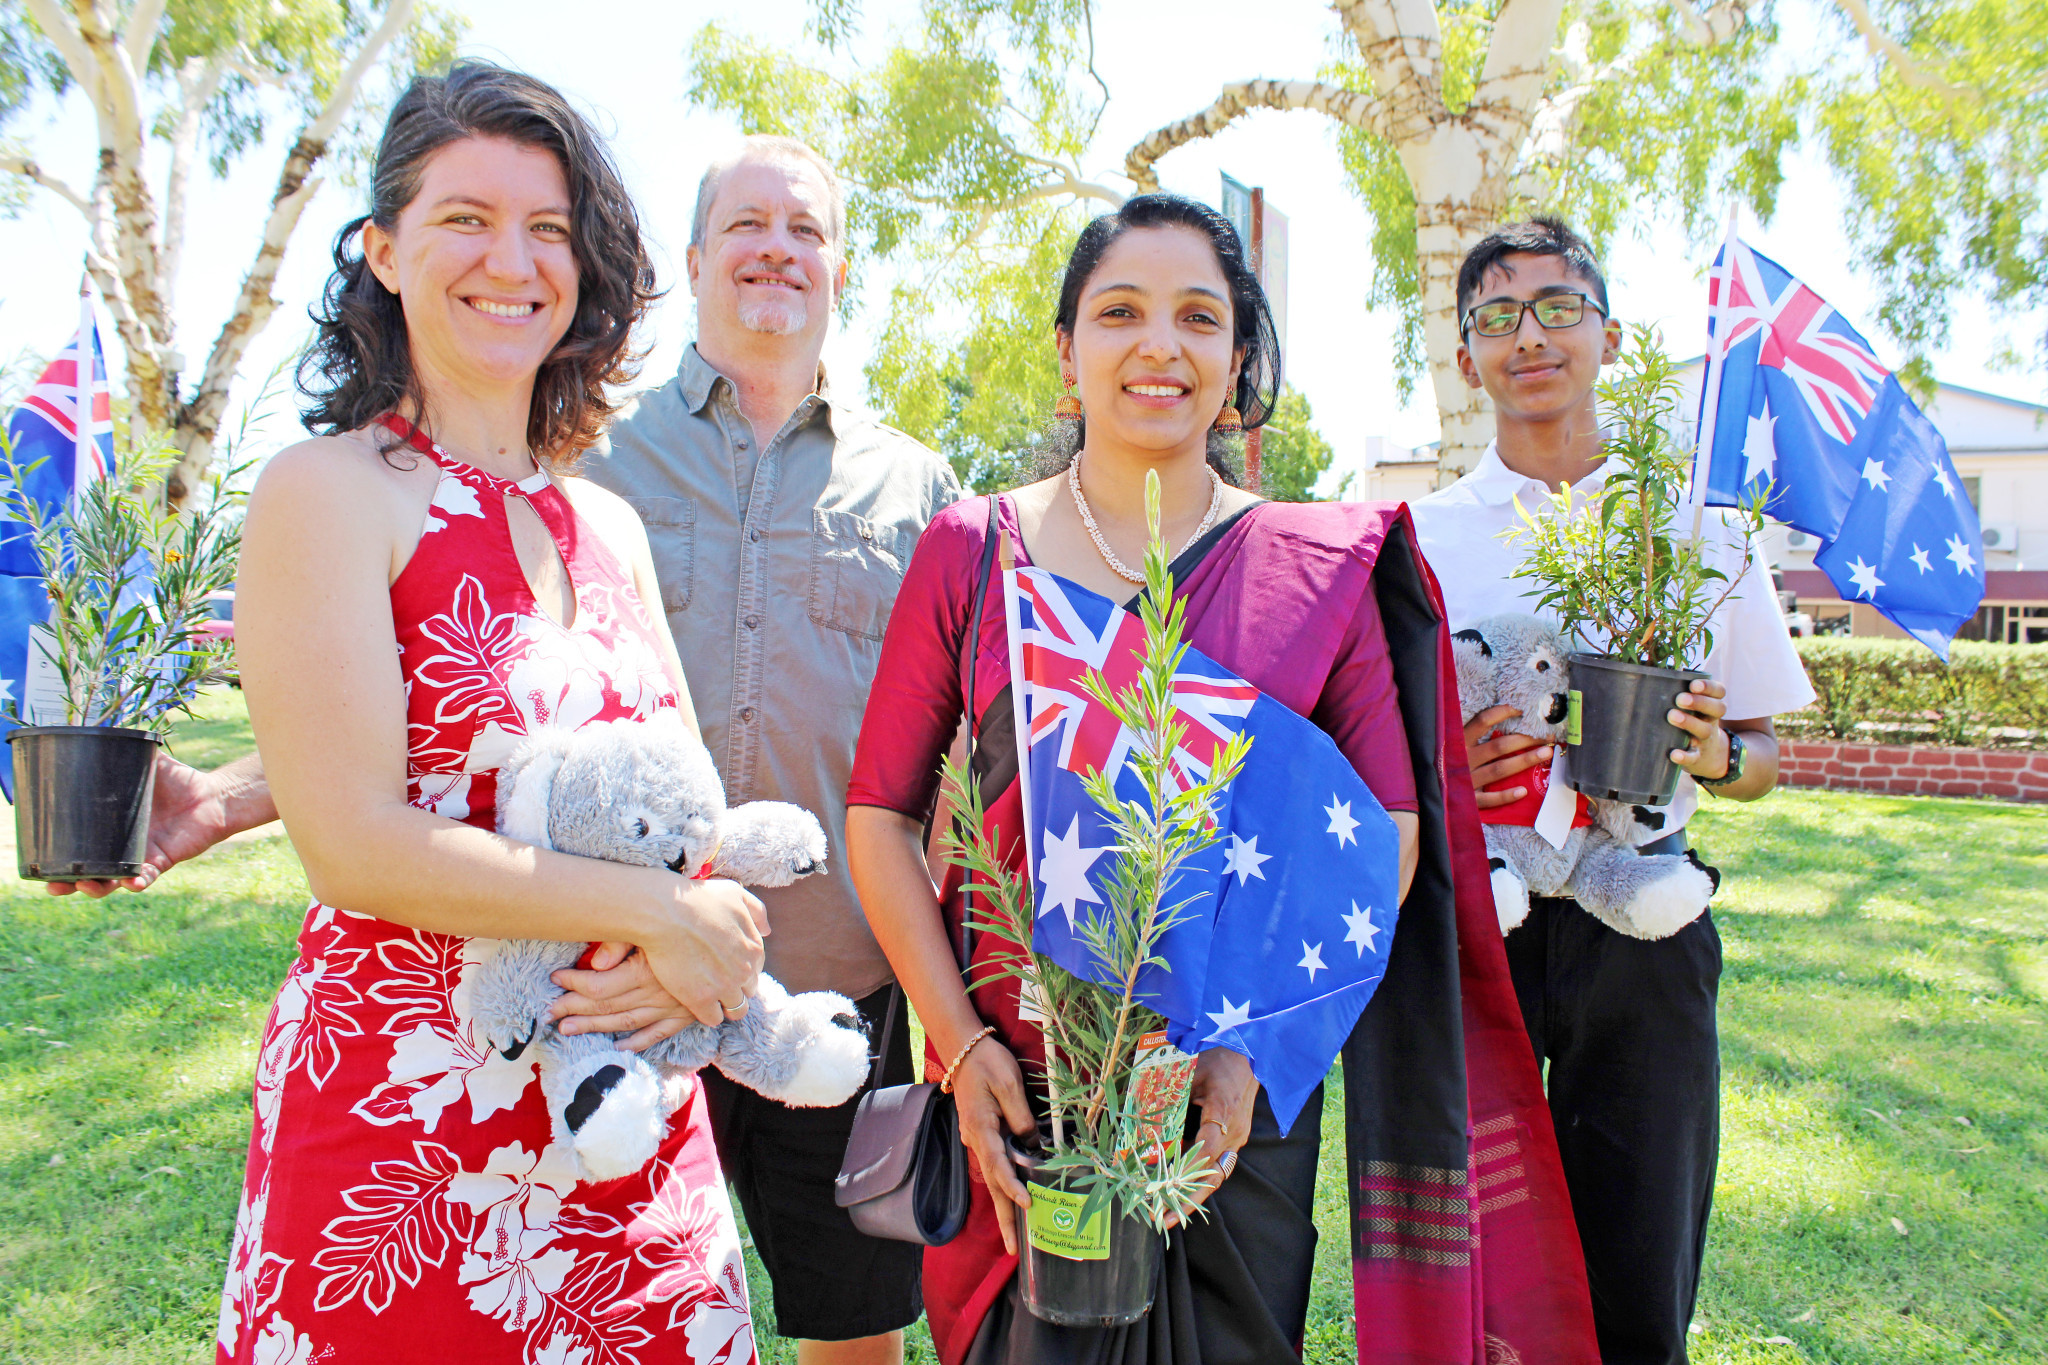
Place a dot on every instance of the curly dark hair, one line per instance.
(359, 365)
(1258, 377)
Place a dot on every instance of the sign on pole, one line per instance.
(1263, 230)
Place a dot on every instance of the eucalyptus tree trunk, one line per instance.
(1470, 167)
(134, 248)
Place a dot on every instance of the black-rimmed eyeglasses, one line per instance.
(1554, 313)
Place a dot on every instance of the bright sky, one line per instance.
(630, 72)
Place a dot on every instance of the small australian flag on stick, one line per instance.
(62, 438)
(1289, 914)
(1794, 400)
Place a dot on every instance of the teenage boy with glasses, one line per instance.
(1625, 1026)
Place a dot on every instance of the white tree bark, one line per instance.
(198, 82)
(199, 420)
(1882, 44)
(135, 250)
(1467, 168)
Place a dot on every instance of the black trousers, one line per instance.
(832, 1282)
(1626, 1027)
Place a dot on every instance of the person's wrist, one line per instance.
(1731, 769)
(239, 799)
(951, 1033)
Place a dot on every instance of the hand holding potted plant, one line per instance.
(1623, 579)
(1109, 1175)
(126, 646)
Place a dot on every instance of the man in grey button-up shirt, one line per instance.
(778, 563)
(781, 520)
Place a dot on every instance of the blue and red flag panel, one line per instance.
(1288, 915)
(1800, 404)
(66, 421)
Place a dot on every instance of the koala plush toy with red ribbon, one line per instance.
(1519, 661)
(647, 793)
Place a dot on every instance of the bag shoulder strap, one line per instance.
(970, 648)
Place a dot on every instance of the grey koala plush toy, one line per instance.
(646, 793)
(1520, 661)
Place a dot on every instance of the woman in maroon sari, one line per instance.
(1163, 326)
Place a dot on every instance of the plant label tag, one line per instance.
(1160, 1077)
(1029, 1010)
(42, 691)
(1574, 708)
(1054, 1225)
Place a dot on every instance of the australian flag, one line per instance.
(66, 422)
(1290, 912)
(1794, 397)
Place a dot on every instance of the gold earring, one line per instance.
(1228, 420)
(1068, 408)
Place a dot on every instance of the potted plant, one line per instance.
(1624, 579)
(124, 647)
(1108, 1172)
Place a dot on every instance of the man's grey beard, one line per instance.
(774, 318)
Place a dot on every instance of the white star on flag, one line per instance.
(1941, 477)
(1232, 1016)
(1864, 576)
(1959, 553)
(1874, 475)
(1341, 823)
(1063, 868)
(1311, 958)
(1919, 558)
(1243, 858)
(1760, 446)
(1363, 931)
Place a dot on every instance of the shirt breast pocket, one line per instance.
(856, 567)
(672, 538)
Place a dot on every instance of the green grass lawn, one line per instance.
(1884, 1175)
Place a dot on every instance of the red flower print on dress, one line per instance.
(399, 1228)
(404, 1191)
(686, 1236)
(476, 645)
(437, 1057)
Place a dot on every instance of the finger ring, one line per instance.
(1227, 1164)
(733, 1011)
(1218, 1122)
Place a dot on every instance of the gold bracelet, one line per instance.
(946, 1085)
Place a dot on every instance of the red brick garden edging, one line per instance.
(1914, 770)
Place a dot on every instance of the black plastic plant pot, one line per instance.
(1098, 1272)
(1617, 734)
(81, 800)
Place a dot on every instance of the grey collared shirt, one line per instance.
(778, 567)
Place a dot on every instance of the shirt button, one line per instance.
(754, 534)
(747, 714)
(753, 622)
(866, 533)
(741, 444)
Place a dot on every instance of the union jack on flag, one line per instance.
(1060, 648)
(1795, 401)
(1304, 869)
(64, 428)
(1830, 365)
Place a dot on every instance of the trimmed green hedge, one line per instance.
(1895, 692)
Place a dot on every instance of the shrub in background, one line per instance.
(1894, 691)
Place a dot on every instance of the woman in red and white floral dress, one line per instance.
(420, 588)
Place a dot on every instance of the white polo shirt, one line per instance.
(1460, 530)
